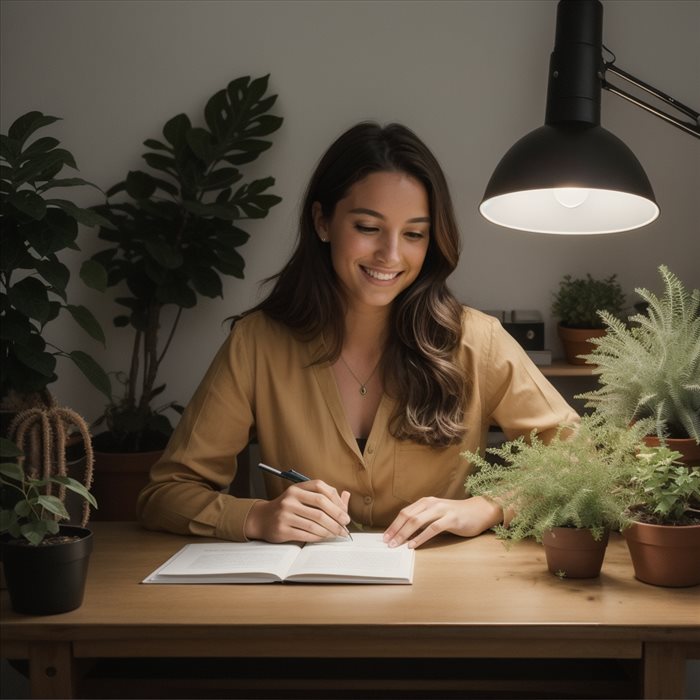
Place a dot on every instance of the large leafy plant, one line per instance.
(651, 368)
(580, 479)
(37, 226)
(174, 236)
(578, 300)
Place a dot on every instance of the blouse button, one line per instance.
(370, 450)
(368, 499)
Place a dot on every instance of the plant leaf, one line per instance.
(86, 217)
(94, 275)
(84, 318)
(92, 371)
(163, 254)
(175, 130)
(55, 273)
(53, 505)
(28, 203)
(23, 127)
(140, 185)
(9, 449)
(29, 297)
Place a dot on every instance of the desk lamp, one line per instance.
(571, 176)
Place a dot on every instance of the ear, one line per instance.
(319, 221)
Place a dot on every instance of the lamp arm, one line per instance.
(692, 128)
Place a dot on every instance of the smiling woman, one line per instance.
(360, 369)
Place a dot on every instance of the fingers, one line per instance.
(306, 512)
(319, 495)
(417, 523)
(427, 517)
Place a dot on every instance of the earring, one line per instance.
(324, 240)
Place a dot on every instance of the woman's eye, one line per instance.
(415, 235)
(365, 229)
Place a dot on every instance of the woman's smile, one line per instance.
(380, 275)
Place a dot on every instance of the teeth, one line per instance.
(383, 276)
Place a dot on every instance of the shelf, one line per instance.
(560, 368)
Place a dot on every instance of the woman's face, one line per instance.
(378, 237)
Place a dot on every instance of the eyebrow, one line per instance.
(371, 212)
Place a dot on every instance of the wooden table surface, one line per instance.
(470, 598)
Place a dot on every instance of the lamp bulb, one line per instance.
(571, 197)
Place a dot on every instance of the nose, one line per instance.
(388, 249)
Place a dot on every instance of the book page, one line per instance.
(366, 559)
(227, 562)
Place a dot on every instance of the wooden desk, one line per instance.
(470, 598)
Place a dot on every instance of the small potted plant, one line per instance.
(576, 305)
(45, 562)
(567, 494)
(664, 537)
(173, 233)
(651, 367)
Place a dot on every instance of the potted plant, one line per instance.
(651, 368)
(36, 227)
(45, 562)
(567, 494)
(576, 305)
(664, 537)
(173, 233)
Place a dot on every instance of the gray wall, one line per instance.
(468, 77)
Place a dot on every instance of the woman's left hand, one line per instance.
(430, 516)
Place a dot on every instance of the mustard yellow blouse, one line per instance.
(262, 383)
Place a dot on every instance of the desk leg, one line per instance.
(664, 670)
(51, 670)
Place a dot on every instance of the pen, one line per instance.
(290, 475)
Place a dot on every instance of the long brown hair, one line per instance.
(419, 363)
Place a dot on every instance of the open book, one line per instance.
(365, 559)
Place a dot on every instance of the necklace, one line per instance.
(363, 385)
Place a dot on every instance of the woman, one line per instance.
(359, 369)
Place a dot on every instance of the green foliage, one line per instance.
(577, 480)
(578, 301)
(35, 514)
(177, 232)
(667, 492)
(36, 227)
(652, 368)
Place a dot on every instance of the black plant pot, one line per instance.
(48, 579)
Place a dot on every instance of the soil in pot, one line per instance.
(49, 578)
(573, 553)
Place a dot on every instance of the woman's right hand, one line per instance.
(306, 512)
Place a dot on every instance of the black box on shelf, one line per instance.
(527, 328)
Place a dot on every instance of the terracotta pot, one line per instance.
(686, 446)
(573, 552)
(575, 342)
(665, 555)
(118, 480)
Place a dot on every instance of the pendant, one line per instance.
(363, 389)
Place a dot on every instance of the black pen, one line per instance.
(290, 475)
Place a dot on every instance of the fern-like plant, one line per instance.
(581, 479)
(651, 368)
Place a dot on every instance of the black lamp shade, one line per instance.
(569, 178)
